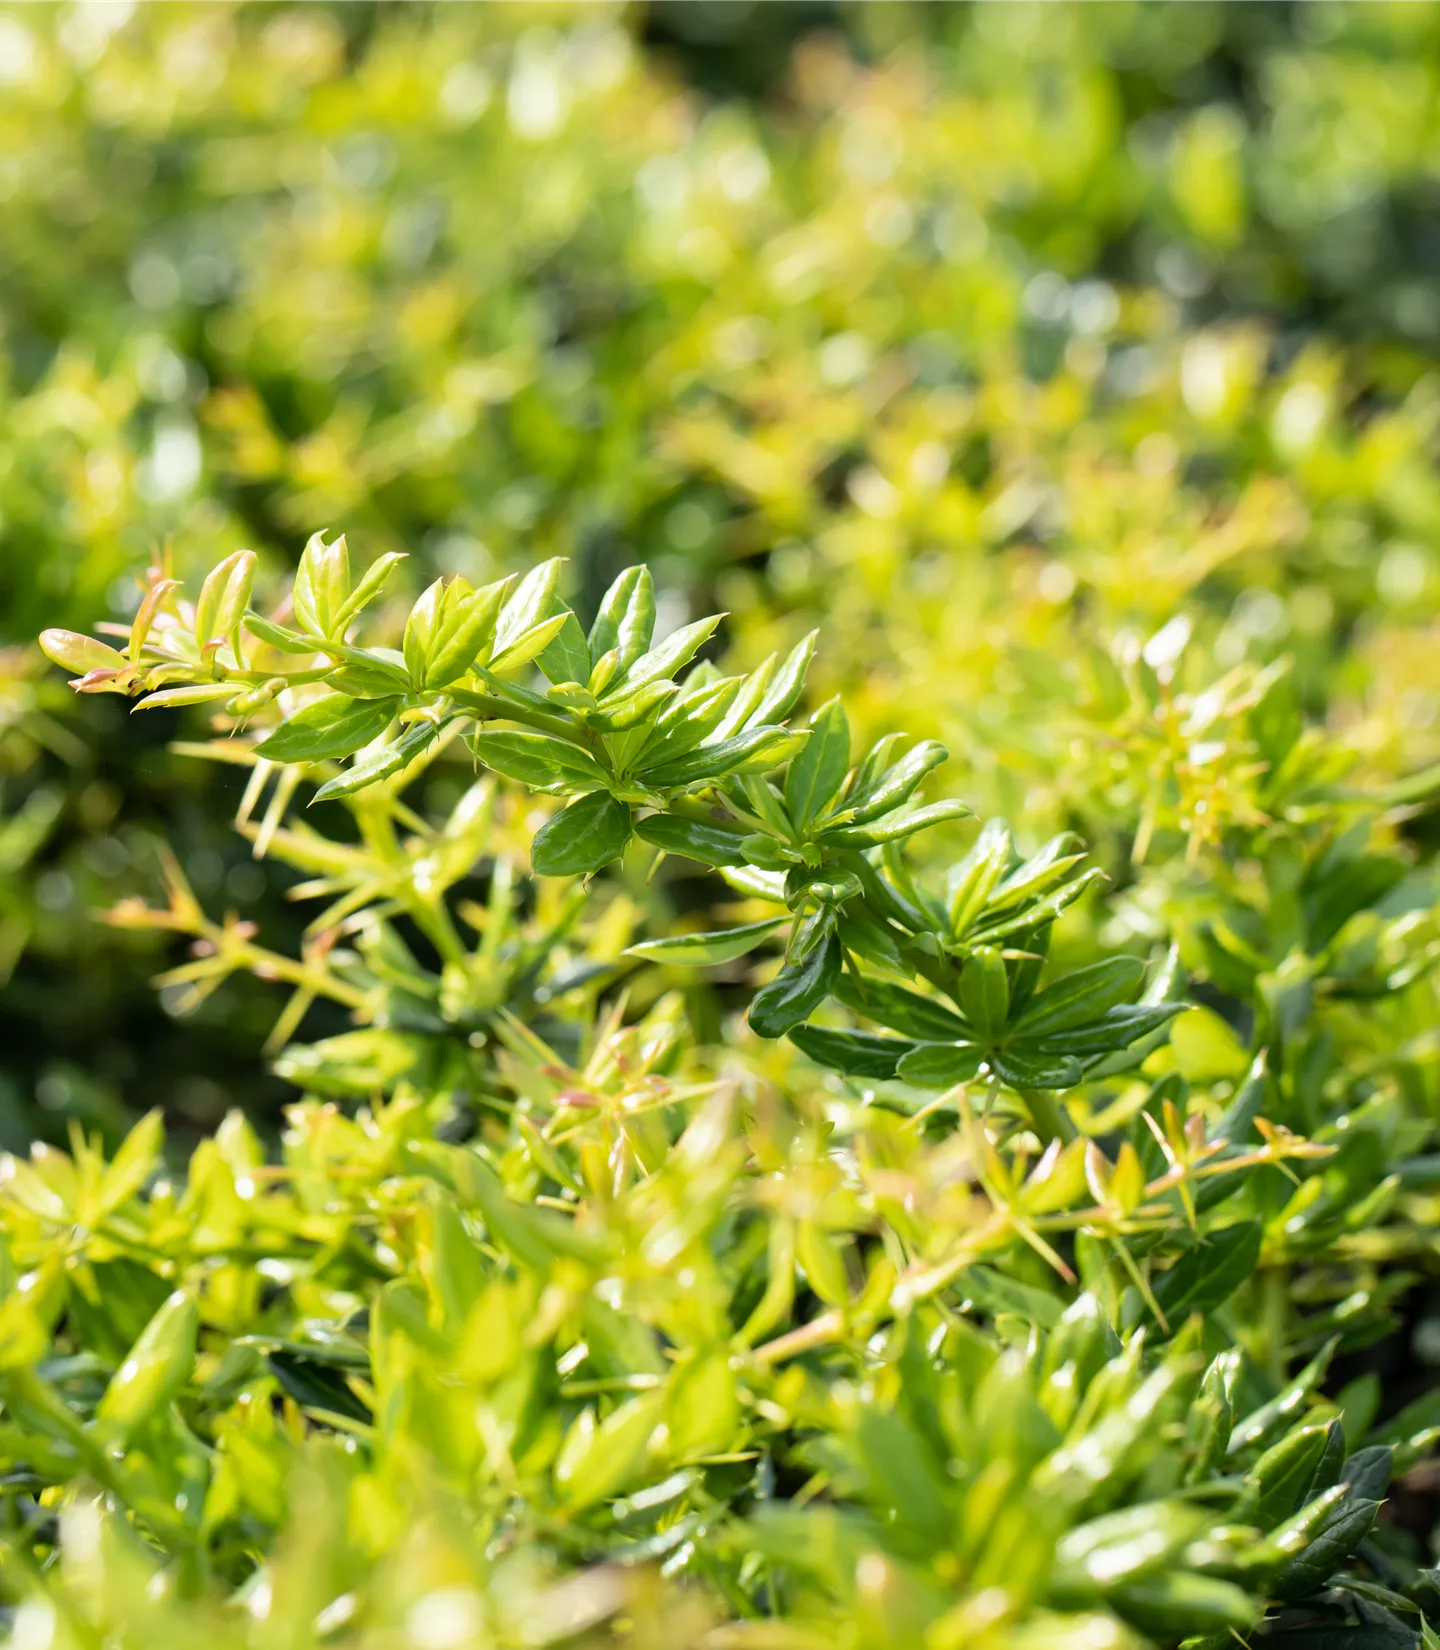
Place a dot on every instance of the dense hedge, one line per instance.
(873, 1282)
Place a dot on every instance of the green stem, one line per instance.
(1051, 1120)
(487, 707)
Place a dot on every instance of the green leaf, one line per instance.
(1042, 871)
(464, 635)
(1081, 997)
(701, 950)
(876, 942)
(72, 651)
(1290, 1401)
(707, 843)
(629, 710)
(689, 719)
(375, 674)
(896, 785)
(133, 1164)
(1368, 1471)
(1117, 1029)
(755, 884)
(1326, 1533)
(1173, 1603)
(567, 658)
(1120, 1546)
(896, 828)
(198, 693)
(224, 595)
(1207, 1275)
(354, 1064)
(672, 654)
(529, 644)
(626, 620)
(941, 1065)
(702, 1411)
(925, 1018)
(1279, 1479)
(995, 1293)
(815, 776)
(157, 1367)
(334, 726)
(319, 1389)
(588, 834)
(855, 1053)
(780, 697)
(322, 585)
(903, 1477)
(985, 992)
(278, 637)
(597, 1461)
(539, 760)
(797, 990)
(381, 764)
(533, 600)
(423, 628)
(755, 750)
(1030, 917)
(369, 587)
(1024, 1068)
(971, 882)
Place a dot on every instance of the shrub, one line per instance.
(1072, 370)
(973, 1313)
(988, 339)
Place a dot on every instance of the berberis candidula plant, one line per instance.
(956, 1328)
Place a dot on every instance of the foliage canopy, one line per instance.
(735, 1197)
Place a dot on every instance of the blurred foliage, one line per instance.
(1073, 369)
(986, 332)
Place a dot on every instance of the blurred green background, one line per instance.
(988, 334)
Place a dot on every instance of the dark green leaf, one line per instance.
(1210, 1273)
(1368, 1470)
(925, 1018)
(334, 726)
(588, 834)
(755, 749)
(1344, 1526)
(707, 843)
(985, 992)
(941, 1065)
(797, 990)
(855, 1053)
(316, 1387)
(1024, 1068)
(1280, 1478)
(539, 760)
(1116, 1030)
(816, 774)
(1082, 997)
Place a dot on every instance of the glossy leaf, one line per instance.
(329, 728)
(582, 838)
